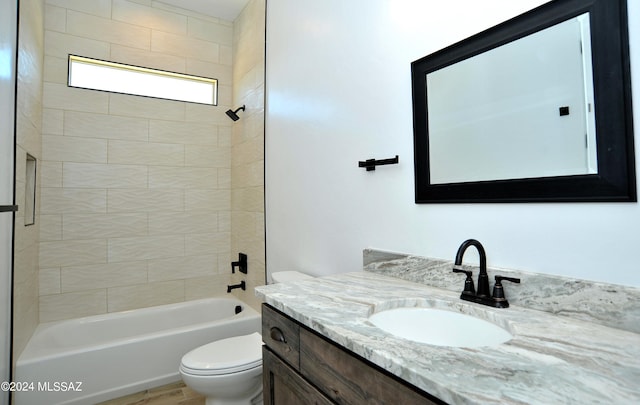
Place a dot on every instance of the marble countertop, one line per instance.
(550, 360)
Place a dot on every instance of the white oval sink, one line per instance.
(439, 327)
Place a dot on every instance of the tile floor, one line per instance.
(171, 394)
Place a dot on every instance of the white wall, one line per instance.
(339, 91)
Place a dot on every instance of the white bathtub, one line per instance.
(121, 353)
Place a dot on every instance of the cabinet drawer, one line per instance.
(282, 335)
(347, 379)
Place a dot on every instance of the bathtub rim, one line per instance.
(27, 357)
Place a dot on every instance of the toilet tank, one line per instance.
(288, 276)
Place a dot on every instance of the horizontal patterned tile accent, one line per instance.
(164, 42)
(249, 151)
(209, 114)
(248, 199)
(224, 136)
(50, 228)
(101, 8)
(211, 31)
(107, 30)
(70, 149)
(207, 156)
(224, 221)
(26, 260)
(183, 132)
(223, 73)
(55, 18)
(146, 107)
(51, 173)
(145, 295)
(150, 17)
(94, 226)
(224, 178)
(141, 57)
(145, 153)
(73, 253)
(246, 224)
(55, 70)
(25, 237)
(178, 268)
(145, 247)
(49, 281)
(61, 45)
(183, 177)
(52, 121)
(88, 175)
(205, 287)
(180, 10)
(27, 136)
(207, 243)
(145, 200)
(70, 200)
(250, 175)
(89, 125)
(58, 95)
(202, 200)
(181, 223)
(72, 305)
(90, 277)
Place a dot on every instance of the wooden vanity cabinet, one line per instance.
(302, 367)
(284, 386)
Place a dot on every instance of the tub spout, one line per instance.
(233, 287)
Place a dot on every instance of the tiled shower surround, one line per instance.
(28, 141)
(247, 148)
(136, 198)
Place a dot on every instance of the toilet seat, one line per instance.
(226, 356)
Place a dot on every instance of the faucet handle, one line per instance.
(498, 290)
(469, 288)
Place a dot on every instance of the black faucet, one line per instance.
(482, 295)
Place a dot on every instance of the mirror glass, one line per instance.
(521, 110)
(535, 109)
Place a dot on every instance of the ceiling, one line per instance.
(225, 9)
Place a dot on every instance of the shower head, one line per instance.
(234, 114)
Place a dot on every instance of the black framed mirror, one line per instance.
(535, 109)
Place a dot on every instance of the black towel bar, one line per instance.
(371, 164)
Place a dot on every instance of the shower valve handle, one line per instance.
(241, 264)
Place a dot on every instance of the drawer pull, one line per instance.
(277, 335)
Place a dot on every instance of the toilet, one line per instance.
(288, 276)
(229, 371)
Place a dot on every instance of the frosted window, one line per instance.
(120, 78)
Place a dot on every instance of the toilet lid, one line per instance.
(226, 356)
(288, 276)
